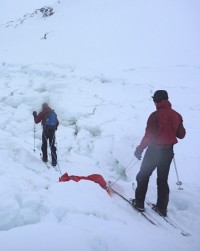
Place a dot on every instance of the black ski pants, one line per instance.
(160, 158)
(49, 135)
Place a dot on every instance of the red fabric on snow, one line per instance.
(97, 178)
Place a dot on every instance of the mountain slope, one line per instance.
(103, 34)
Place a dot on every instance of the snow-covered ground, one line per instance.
(106, 66)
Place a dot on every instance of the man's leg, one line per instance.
(53, 148)
(166, 156)
(148, 166)
(44, 147)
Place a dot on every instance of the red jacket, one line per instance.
(164, 126)
(41, 117)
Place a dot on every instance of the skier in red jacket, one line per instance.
(164, 126)
(48, 131)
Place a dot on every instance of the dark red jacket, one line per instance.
(41, 117)
(164, 126)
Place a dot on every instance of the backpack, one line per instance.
(51, 121)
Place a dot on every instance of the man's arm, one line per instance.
(150, 131)
(181, 131)
(38, 117)
(151, 128)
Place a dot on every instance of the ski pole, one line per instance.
(179, 183)
(57, 157)
(34, 137)
(128, 168)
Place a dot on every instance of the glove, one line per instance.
(138, 153)
(34, 114)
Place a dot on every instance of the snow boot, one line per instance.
(160, 211)
(44, 159)
(137, 205)
(54, 163)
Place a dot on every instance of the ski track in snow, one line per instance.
(102, 119)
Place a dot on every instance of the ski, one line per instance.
(166, 219)
(56, 168)
(142, 213)
(47, 165)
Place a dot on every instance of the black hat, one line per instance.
(160, 95)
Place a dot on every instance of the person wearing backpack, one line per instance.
(50, 123)
(164, 126)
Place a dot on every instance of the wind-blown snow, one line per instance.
(100, 85)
